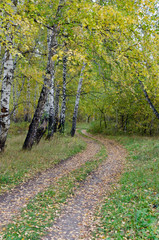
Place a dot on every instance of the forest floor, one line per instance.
(75, 220)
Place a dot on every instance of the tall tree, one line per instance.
(74, 120)
(6, 87)
(51, 93)
(32, 132)
(56, 118)
(5, 98)
(63, 106)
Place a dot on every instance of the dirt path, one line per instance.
(76, 220)
(12, 202)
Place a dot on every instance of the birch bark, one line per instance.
(56, 119)
(52, 109)
(1, 68)
(73, 130)
(51, 93)
(63, 106)
(6, 90)
(32, 132)
(14, 89)
(5, 98)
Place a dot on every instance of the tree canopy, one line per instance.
(117, 40)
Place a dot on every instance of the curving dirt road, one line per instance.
(76, 221)
(12, 202)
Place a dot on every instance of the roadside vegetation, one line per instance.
(132, 210)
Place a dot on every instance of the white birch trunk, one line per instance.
(14, 89)
(73, 130)
(56, 118)
(5, 98)
(63, 106)
(6, 91)
(53, 43)
(1, 69)
(52, 108)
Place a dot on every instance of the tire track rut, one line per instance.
(76, 220)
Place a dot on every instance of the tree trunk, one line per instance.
(1, 69)
(148, 99)
(31, 136)
(14, 90)
(56, 119)
(6, 91)
(32, 132)
(41, 130)
(116, 121)
(5, 98)
(88, 118)
(105, 123)
(126, 121)
(73, 130)
(63, 107)
(51, 110)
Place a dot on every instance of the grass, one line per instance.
(17, 165)
(82, 125)
(132, 211)
(42, 210)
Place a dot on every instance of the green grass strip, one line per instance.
(132, 211)
(42, 210)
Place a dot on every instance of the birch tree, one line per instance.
(74, 120)
(51, 93)
(6, 88)
(56, 118)
(32, 132)
(63, 106)
(5, 98)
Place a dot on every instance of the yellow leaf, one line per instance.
(54, 58)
